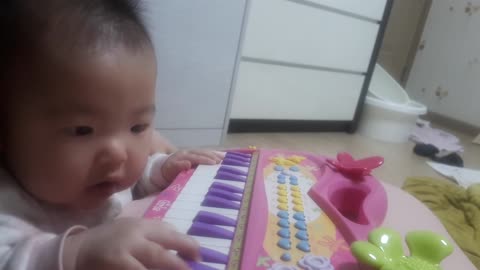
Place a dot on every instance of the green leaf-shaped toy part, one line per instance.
(368, 254)
(389, 241)
(428, 246)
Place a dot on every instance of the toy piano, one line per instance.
(272, 209)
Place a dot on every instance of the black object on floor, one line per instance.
(431, 151)
(453, 160)
(425, 150)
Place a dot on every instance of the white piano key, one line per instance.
(215, 265)
(202, 189)
(182, 223)
(245, 169)
(213, 242)
(207, 170)
(223, 250)
(185, 215)
(185, 205)
(189, 214)
(191, 197)
(210, 242)
(181, 227)
(196, 189)
(232, 183)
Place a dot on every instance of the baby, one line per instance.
(76, 139)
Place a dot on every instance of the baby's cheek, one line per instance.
(138, 163)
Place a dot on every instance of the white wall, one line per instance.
(450, 61)
(196, 45)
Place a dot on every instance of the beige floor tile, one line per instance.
(400, 161)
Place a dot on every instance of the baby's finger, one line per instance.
(207, 153)
(132, 264)
(219, 154)
(173, 240)
(154, 256)
(202, 159)
(183, 165)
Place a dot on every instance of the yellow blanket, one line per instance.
(458, 209)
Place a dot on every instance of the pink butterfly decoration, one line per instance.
(346, 164)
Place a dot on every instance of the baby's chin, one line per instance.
(99, 196)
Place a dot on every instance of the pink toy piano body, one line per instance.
(304, 211)
(337, 211)
(355, 206)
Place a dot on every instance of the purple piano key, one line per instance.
(230, 176)
(234, 162)
(198, 266)
(209, 230)
(232, 170)
(239, 158)
(215, 219)
(214, 201)
(226, 187)
(225, 194)
(245, 155)
(213, 256)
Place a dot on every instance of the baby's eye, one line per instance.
(82, 131)
(139, 128)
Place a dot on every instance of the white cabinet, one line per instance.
(308, 61)
(196, 45)
(286, 31)
(277, 89)
(372, 9)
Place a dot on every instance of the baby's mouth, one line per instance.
(106, 187)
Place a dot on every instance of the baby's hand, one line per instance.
(129, 244)
(185, 159)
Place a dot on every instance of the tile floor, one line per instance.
(400, 161)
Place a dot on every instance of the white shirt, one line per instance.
(32, 233)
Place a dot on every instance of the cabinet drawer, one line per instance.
(193, 137)
(373, 9)
(286, 31)
(278, 92)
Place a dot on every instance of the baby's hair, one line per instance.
(31, 28)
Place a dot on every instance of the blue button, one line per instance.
(284, 243)
(294, 169)
(304, 246)
(284, 223)
(282, 214)
(293, 177)
(281, 176)
(286, 257)
(281, 181)
(298, 216)
(302, 235)
(278, 168)
(301, 225)
(293, 182)
(284, 233)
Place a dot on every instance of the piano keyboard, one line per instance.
(205, 203)
(295, 196)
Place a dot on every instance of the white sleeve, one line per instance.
(25, 247)
(152, 180)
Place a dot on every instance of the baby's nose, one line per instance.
(114, 153)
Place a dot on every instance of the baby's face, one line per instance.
(84, 131)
